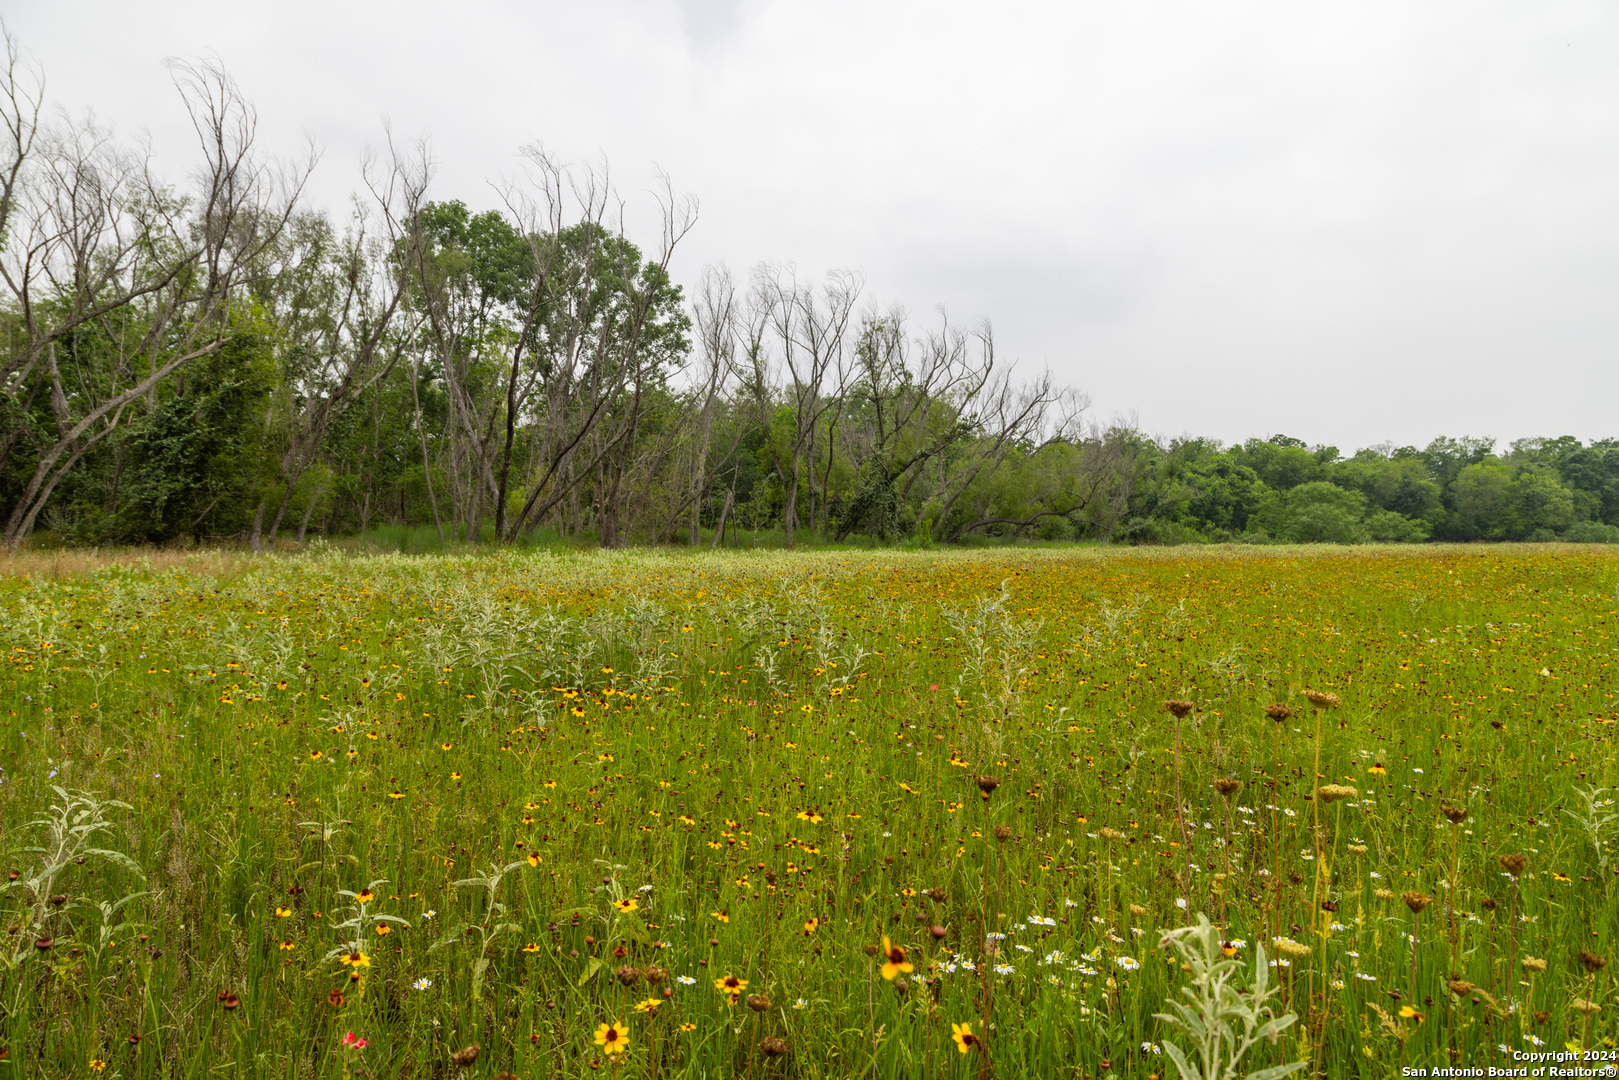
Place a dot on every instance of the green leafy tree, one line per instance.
(1317, 512)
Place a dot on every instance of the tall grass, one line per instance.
(504, 799)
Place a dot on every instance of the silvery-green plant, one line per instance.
(69, 834)
(361, 918)
(486, 931)
(1221, 1024)
(1595, 821)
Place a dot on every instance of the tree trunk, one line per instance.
(255, 539)
(719, 529)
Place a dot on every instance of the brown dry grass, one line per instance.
(71, 562)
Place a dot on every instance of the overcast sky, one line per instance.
(1348, 222)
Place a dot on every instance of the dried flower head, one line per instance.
(1227, 786)
(466, 1055)
(1488, 903)
(1532, 964)
(1591, 961)
(1331, 793)
(1416, 901)
(759, 1003)
(1179, 708)
(628, 976)
(1109, 833)
(654, 975)
(1358, 849)
(1137, 910)
(1003, 833)
(1514, 864)
(774, 1047)
(1454, 814)
(1321, 699)
(1384, 894)
(1459, 986)
(1586, 1007)
(1278, 712)
(988, 784)
(1289, 947)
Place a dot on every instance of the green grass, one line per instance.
(503, 745)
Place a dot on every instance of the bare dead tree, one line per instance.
(809, 330)
(600, 352)
(1002, 416)
(716, 314)
(94, 237)
(337, 299)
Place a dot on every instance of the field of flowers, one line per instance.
(916, 814)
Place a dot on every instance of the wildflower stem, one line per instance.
(1180, 812)
(1276, 836)
(1320, 867)
(1512, 942)
(1450, 903)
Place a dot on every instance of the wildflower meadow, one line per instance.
(1012, 813)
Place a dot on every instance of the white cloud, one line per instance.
(1346, 222)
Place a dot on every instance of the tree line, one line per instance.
(219, 360)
